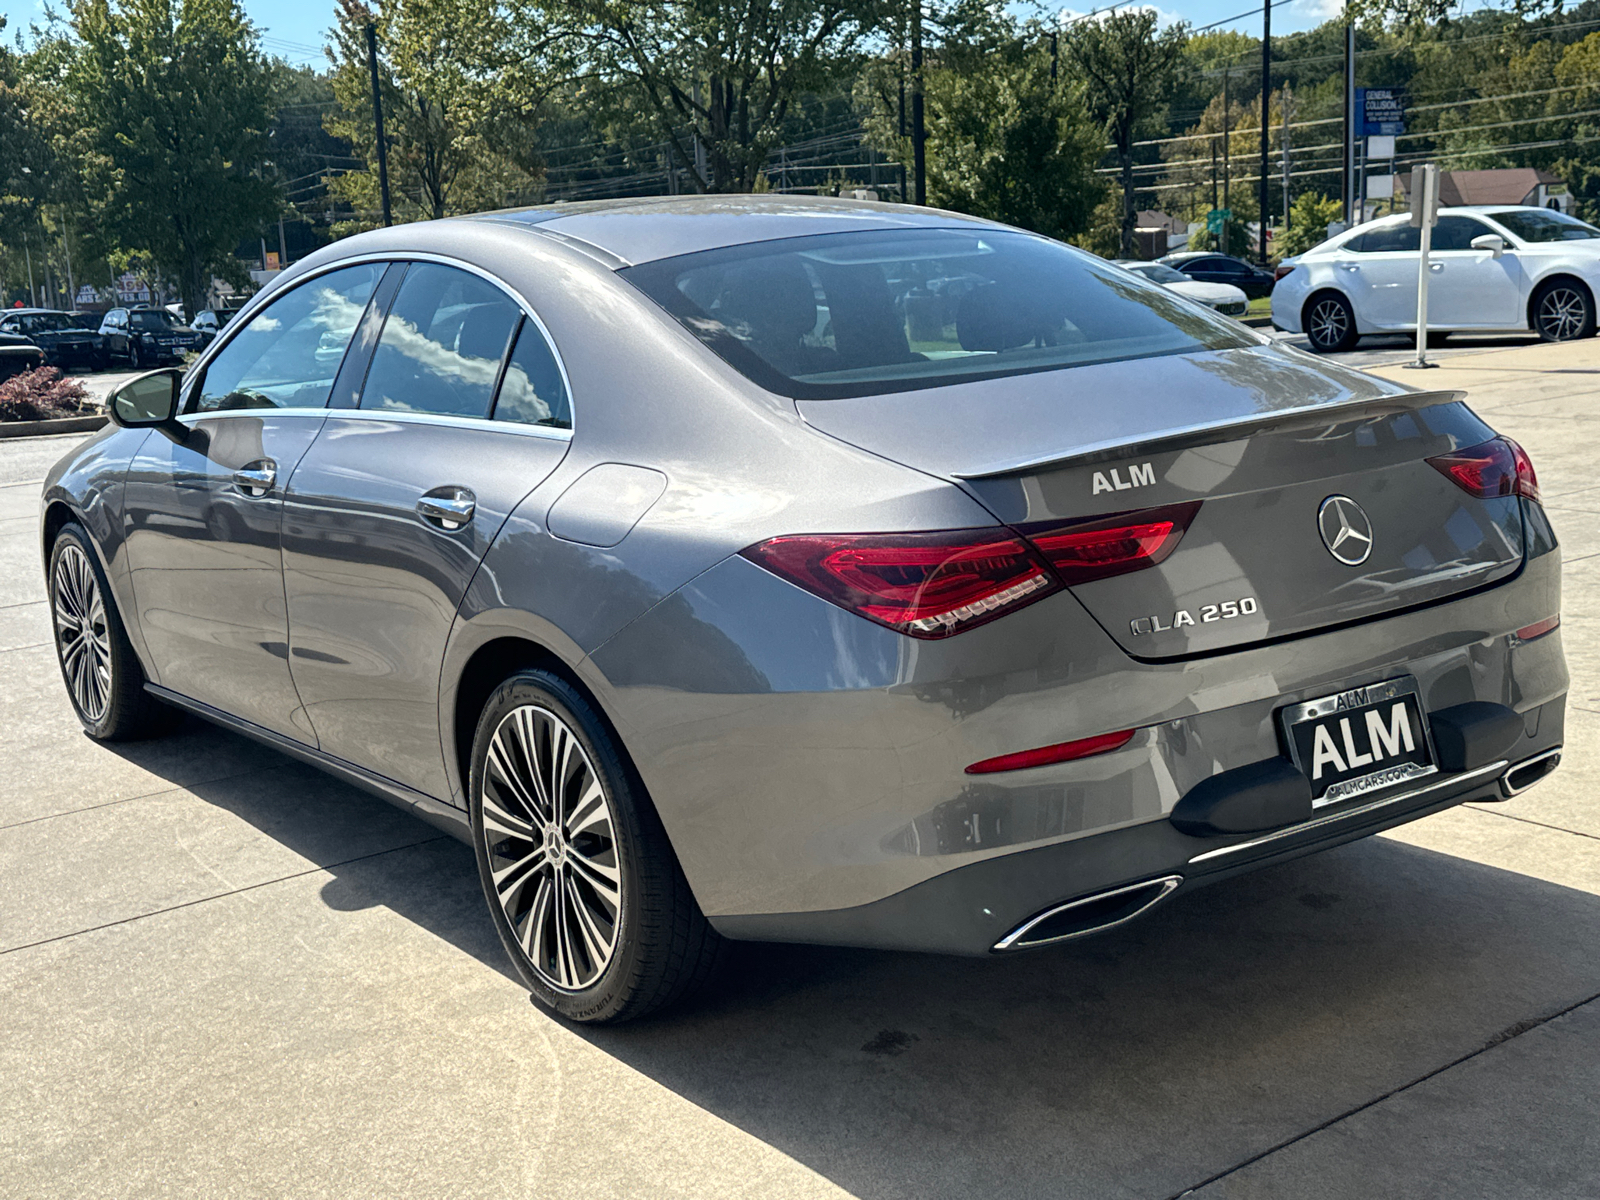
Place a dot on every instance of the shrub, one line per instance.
(42, 395)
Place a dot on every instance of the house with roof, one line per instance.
(1500, 185)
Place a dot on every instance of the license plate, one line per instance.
(1359, 741)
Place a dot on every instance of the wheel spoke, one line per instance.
(605, 880)
(497, 820)
(596, 946)
(590, 811)
(505, 769)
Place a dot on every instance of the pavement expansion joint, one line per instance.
(1510, 1033)
(249, 887)
(1491, 812)
(175, 789)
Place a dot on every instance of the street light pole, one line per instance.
(377, 118)
(919, 134)
(1266, 98)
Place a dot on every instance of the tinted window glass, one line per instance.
(40, 323)
(1159, 273)
(153, 320)
(288, 354)
(442, 345)
(1391, 239)
(853, 314)
(533, 392)
(1456, 233)
(1546, 225)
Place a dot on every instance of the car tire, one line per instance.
(133, 355)
(585, 893)
(1330, 323)
(1562, 311)
(105, 682)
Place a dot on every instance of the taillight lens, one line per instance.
(1282, 270)
(1112, 545)
(927, 585)
(1498, 467)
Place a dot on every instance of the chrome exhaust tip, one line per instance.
(1089, 914)
(1525, 774)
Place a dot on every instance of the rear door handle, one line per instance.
(447, 508)
(256, 479)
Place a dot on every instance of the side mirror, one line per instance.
(150, 401)
(1492, 242)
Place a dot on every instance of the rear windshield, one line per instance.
(855, 314)
(1546, 225)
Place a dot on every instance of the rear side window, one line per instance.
(442, 344)
(533, 392)
(288, 354)
(1388, 239)
(855, 314)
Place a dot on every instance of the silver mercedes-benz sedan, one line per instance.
(808, 570)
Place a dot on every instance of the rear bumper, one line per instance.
(979, 909)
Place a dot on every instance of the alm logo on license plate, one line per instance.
(1359, 741)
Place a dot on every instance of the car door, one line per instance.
(203, 516)
(396, 503)
(1380, 276)
(1472, 289)
(116, 335)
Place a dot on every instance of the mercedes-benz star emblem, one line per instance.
(1346, 530)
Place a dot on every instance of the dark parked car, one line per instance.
(1252, 280)
(18, 354)
(64, 342)
(148, 337)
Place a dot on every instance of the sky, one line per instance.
(295, 29)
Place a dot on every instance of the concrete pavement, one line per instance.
(222, 974)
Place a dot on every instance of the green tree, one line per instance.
(1309, 218)
(723, 72)
(1128, 69)
(174, 98)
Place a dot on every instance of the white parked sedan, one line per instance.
(1223, 297)
(1491, 268)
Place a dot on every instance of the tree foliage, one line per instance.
(1129, 68)
(174, 97)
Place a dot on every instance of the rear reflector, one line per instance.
(1498, 467)
(1537, 630)
(1112, 545)
(1100, 743)
(927, 585)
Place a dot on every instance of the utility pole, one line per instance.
(1286, 101)
(66, 251)
(1213, 173)
(700, 180)
(377, 120)
(27, 250)
(1227, 173)
(1266, 107)
(1349, 188)
(1055, 55)
(901, 155)
(919, 134)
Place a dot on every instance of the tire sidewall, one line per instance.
(608, 994)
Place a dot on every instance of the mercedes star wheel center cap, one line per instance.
(1346, 530)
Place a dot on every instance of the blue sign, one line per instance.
(1380, 111)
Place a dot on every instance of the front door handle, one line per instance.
(447, 508)
(256, 479)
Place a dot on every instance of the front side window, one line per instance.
(1546, 225)
(533, 392)
(1456, 233)
(289, 352)
(442, 345)
(855, 314)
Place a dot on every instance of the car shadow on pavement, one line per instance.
(1140, 1062)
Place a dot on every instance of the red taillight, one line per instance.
(1282, 271)
(1112, 545)
(1498, 467)
(1538, 629)
(1100, 743)
(928, 585)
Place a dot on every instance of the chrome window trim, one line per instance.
(400, 415)
(1466, 777)
(269, 295)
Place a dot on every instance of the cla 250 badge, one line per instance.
(1204, 615)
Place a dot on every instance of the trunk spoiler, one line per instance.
(1310, 417)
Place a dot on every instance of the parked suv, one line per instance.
(65, 343)
(148, 336)
(1491, 268)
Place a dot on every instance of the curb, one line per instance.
(22, 429)
(1257, 322)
